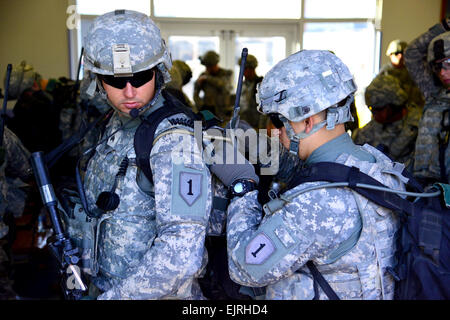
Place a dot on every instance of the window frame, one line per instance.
(292, 29)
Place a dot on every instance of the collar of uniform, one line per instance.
(332, 149)
(131, 124)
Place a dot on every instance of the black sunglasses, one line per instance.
(437, 66)
(138, 79)
(275, 118)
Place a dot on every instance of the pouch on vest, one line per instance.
(80, 228)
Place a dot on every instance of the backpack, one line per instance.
(216, 284)
(422, 270)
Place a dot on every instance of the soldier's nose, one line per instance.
(129, 91)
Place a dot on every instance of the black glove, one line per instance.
(229, 164)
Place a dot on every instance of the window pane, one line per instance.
(99, 7)
(340, 9)
(269, 9)
(354, 44)
(189, 49)
(267, 50)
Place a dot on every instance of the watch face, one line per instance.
(238, 188)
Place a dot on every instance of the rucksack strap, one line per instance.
(318, 277)
(145, 133)
(336, 172)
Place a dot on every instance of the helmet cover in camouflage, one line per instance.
(396, 46)
(304, 84)
(126, 27)
(439, 47)
(385, 90)
(251, 62)
(184, 70)
(210, 58)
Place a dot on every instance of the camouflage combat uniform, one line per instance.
(14, 169)
(350, 239)
(151, 246)
(396, 138)
(312, 226)
(437, 100)
(17, 170)
(415, 96)
(248, 102)
(216, 91)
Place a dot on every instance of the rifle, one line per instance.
(77, 80)
(5, 101)
(235, 120)
(67, 254)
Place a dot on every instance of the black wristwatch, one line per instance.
(242, 186)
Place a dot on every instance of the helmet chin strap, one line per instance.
(335, 115)
(295, 138)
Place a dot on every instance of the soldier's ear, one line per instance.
(309, 123)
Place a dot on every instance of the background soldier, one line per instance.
(216, 85)
(248, 103)
(313, 102)
(396, 68)
(180, 75)
(394, 126)
(427, 59)
(15, 172)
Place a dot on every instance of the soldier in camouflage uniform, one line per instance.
(394, 126)
(396, 68)
(180, 74)
(151, 246)
(216, 84)
(15, 170)
(311, 91)
(427, 61)
(248, 103)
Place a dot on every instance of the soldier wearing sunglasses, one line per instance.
(427, 60)
(149, 235)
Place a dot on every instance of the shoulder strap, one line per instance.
(145, 133)
(318, 277)
(336, 172)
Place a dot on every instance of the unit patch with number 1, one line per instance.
(189, 191)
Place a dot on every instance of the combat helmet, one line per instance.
(385, 90)
(304, 84)
(439, 47)
(124, 42)
(251, 62)
(184, 70)
(210, 58)
(396, 46)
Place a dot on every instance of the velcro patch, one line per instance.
(259, 249)
(190, 186)
(189, 191)
(284, 236)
